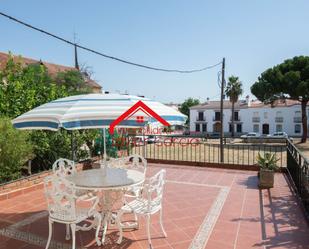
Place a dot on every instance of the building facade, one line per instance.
(250, 116)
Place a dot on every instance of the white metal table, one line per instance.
(110, 183)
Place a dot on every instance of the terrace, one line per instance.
(203, 208)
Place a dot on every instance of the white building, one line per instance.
(250, 116)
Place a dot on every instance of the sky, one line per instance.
(177, 34)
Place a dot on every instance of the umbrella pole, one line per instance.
(72, 146)
(104, 143)
(144, 142)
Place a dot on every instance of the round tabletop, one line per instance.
(110, 178)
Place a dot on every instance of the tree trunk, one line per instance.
(304, 120)
(233, 114)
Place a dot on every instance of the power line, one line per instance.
(105, 55)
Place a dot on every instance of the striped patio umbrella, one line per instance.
(92, 111)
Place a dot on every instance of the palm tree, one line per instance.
(233, 90)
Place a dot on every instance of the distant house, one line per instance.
(53, 69)
(250, 116)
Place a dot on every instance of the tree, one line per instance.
(233, 90)
(23, 88)
(288, 80)
(185, 107)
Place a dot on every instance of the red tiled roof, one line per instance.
(277, 103)
(53, 69)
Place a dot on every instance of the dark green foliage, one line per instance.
(185, 106)
(15, 150)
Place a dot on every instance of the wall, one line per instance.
(246, 115)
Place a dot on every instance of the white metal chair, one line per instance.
(63, 167)
(135, 162)
(62, 207)
(147, 204)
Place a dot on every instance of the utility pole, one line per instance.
(75, 57)
(221, 111)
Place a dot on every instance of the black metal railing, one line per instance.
(255, 119)
(202, 150)
(279, 119)
(297, 119)
(298, 168)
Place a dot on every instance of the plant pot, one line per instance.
(266, 178)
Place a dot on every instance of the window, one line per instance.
(236, 116)
(255, 114)
(278, 127)
(230, 127)
(279, 114)
(197, 127)
(217, 116)
(200, 116)
(204, 127)
(239, 128)
(297, 113)
(265, 114)
(256, 128)
(297, 128)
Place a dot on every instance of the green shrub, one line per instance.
(48, 146)
(15, 150)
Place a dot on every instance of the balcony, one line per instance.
(297, 119)
(200, 119)
(236, 119)
(279, 119)
(255, 119)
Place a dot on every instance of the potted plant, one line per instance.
(268, 165)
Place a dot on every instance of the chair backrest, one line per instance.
(135, 161)
(63, 167)
(61, 197)
(153, 189)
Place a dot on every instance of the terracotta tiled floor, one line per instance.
(203, 208)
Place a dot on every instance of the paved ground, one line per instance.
(203, 208)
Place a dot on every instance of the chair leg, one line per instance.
(73, 228)
(99, 218)
(104, 230)
(67, 232)
(50, 232)
(136, 220)
(161, 223)
(148, 230)
(118, 221)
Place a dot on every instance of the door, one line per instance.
(265, 129)
(217, 127)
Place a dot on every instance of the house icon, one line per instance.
(138, 106)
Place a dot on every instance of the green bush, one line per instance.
(48, 146)
(15, 150)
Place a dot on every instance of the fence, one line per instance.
(201, 150)
(298, 168)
